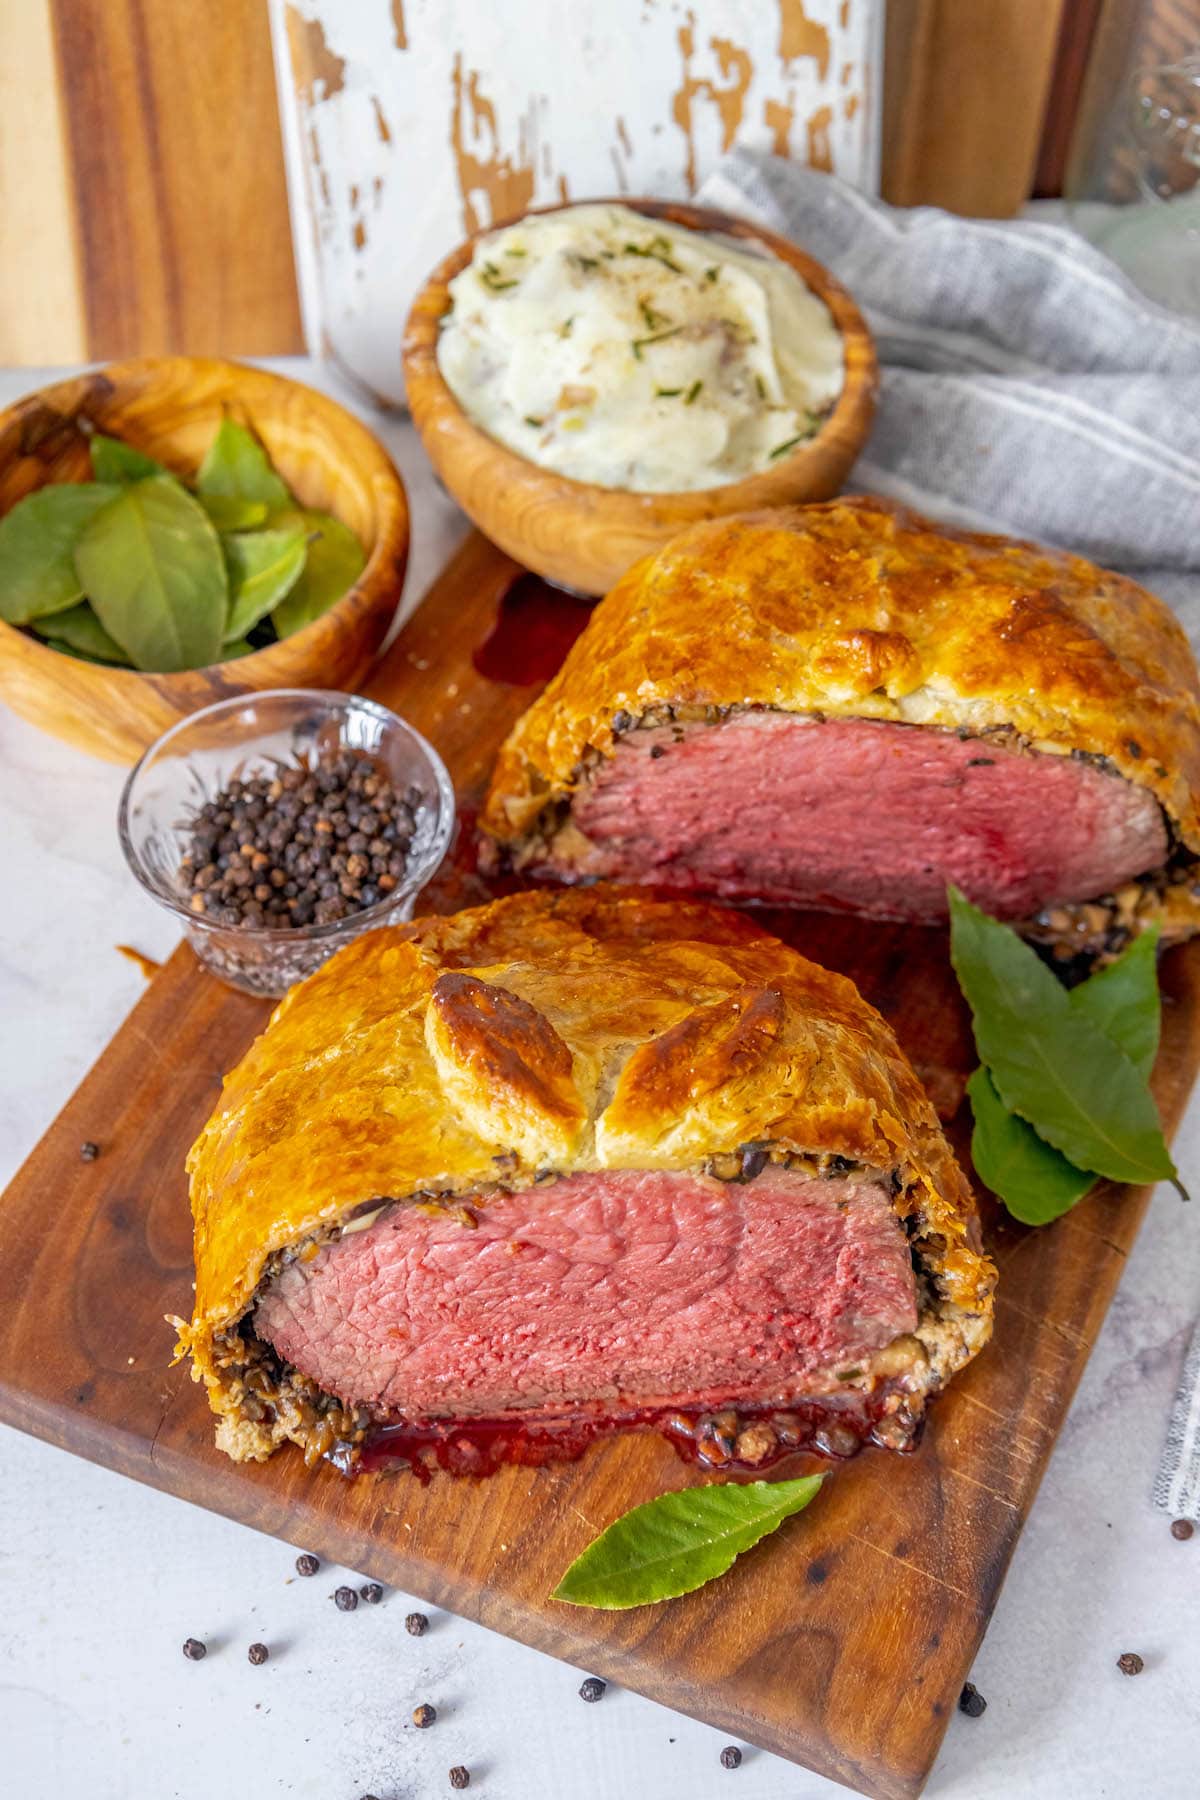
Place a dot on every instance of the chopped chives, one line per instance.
(788, 444)
(667, 393)
(536, 423)
(692, 392)
(657, 338)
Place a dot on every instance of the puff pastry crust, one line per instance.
(860, 608)
(547, 1033)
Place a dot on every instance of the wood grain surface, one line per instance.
(584, 536)
(964, 101)
(144, 200)
(842, 1641)
(171, 407)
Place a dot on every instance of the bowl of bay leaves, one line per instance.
(175, 530)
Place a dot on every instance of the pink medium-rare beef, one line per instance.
(597, 1291)
(860, 815)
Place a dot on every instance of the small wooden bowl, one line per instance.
(583, 536)
(171, 406)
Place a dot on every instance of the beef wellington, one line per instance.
(846, 707)
(577, 1159)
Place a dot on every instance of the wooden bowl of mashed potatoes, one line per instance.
(589, 380)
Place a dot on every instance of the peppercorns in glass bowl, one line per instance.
(279, 826)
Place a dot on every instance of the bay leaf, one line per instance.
(335, 562)
(1049, 1064)
(263, 566)
(678, 1542)
(1122, 1000)
(228, 513)
(114, 461)
(80, 630)
(37, 545)
(238, 467)
(1036, 1182)
(151, 565)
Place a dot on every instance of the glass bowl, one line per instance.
(250, 735)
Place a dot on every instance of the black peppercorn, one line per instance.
(372, 1593)
(307, 1564)
(288, 850)
(972, 1702)
(424, 1716)
(1131, 1663)
(194, 1650)
(345, 1599)
(1182, 1529)
(416, 1624)
(592, 1689)
(88, 1152)
(731, 1757)
(459, 1777)
(258, 1654)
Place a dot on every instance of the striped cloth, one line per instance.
(1026, 385)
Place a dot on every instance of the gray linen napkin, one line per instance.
(1026, 386)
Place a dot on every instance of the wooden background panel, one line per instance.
(965, 89)
(41, 317)
(155, 170)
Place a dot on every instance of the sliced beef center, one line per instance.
(858, 815)
(601, 1293)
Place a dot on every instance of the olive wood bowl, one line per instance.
(582, 536)
(171, 407)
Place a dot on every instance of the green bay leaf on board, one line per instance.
(152, 567)
(114, 461)
(238, 467)
(1123, 1001)
(677, 1542)
(263, 567)
(80, 630)
(1049, 1063)
(1034, 1180)
(335, 562)
(37, 547)
(228, 513)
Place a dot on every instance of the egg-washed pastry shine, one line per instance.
(547, 1035)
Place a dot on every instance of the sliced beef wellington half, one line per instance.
(846, 707)
(577, 1156)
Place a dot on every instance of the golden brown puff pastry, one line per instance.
(460, 1064)
(859, 610)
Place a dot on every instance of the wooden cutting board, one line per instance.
(842, 1641)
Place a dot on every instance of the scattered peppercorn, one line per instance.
(592, 1689)
(731, 1757)
(972, 1702)
(88, 1152)
(307, 1564)
(258, 1654)
(1182, 1529)
(424, 1716)
(308, 844)
(194, 1650)
(416, 1624)
(460, 1777)
(1131, 1663)
(372, 1593)
(345, 1599)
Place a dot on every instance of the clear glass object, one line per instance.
(250, 735)
(1147, 159)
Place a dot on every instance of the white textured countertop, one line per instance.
(101, 1579)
